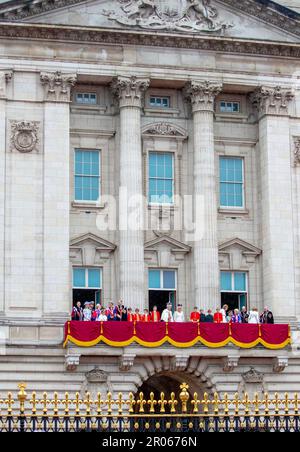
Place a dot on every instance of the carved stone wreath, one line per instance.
(24, 136)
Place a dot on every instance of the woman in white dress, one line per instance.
(223, 311)
(178, 314)
(253, 316)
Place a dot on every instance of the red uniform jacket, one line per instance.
(195, 316)
(218, 318)
(130, 317)
(155, 316)
(146, 318)
(137, 317)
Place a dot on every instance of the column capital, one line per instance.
(129, 91)
(57, 85)
(5, 77)
(202, 94)
(272, 100)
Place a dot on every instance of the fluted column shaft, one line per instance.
(205, 247)
(130, 91)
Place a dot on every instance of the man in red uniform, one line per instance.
(218, 317)
(137, 317)
(155, 315)
(195, 315)
(146, 316)
(129, 315)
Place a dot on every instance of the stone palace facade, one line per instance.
(150, 152)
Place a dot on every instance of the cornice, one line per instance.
(125, 37)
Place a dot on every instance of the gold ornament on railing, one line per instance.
(88, 402)
(216, 402)
(195, 402)
(172, 403)
(22, 396)
(162, 403)
(151, 402)
(120, 402)
(184, 396)
(55, 402)
(131, 402)
(33, 403)
(109, 403)
(141, 402)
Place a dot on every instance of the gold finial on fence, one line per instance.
(45, 403)
(98, 403)
(236, 403)
(276, 402)
(120, 402)
(77, 402)
(286, 403)
(162, 402)
(22, 396)
(226, 403)
(295, 402)
(184, 396)
(9, 402)
(172, 403)
(66, 402)
(246, 402)
(256, 403)
(131, 402)
(195, 402)
(266, 401)
(151, 402)
(141, 402)
(109, 402)
(55, 402)
(205, 402)
(216, 402)
(88, 402)
(33, 402)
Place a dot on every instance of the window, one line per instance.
(233, 282)
(87, 278)
(161, 179)
(229, 107)
(159, 101)
(87, 175)
(234, 289)
(162, 279)
(231, 182)
(86, 98)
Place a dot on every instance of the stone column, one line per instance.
(5, 76)
(57, 86)
(205, 248)
(130, 92)
(276, 198)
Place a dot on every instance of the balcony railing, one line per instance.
(183, 413)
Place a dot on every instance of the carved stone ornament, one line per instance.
(96, 375)
(172, 15)
(202, 94)
(57, 85)
(271, 100)
(253, 376)
(24, 136)
(5, 77)
(297, 151)
(129, 91)
(163, 129)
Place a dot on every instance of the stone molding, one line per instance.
(193, 16)
(5, 77)
(96, 375)
(272, 100)
(271, 14)
(164, 129)
(230, 363)
(126, 37)
(129, 91)
(296, 151)
(202, 94)
(57, 86)
(24, 136)
(253, 376)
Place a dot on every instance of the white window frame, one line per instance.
(88, 201)
(155, 96)
(232, 281)
(162, 270)
(233, 157)
(87, 277)
(227, 102)
(83, 93)
(150, 203)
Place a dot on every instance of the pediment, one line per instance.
(252, 19)
(91, 239)
(164, 129)
(245, 247)
(174, 245)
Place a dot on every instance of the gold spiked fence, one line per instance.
(182, 412)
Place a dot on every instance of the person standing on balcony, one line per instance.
(101, 317)
(179, 314)
(195, 315)
(87, 312)
(77, 312)
(146, 316)
(253, 316)
(209, 317)
(223, 311)
(244, 315)
(202, 315)
(137, 317)
(155, 315)
(130, 315)
(218, 316)
(167, 315)
(267, 316)
(236, 318)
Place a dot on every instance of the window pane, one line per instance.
(226, 281)
(78, 277)
(94, 278)
(169, 279)
(154, 279)
(160, 177)
(240, 281)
